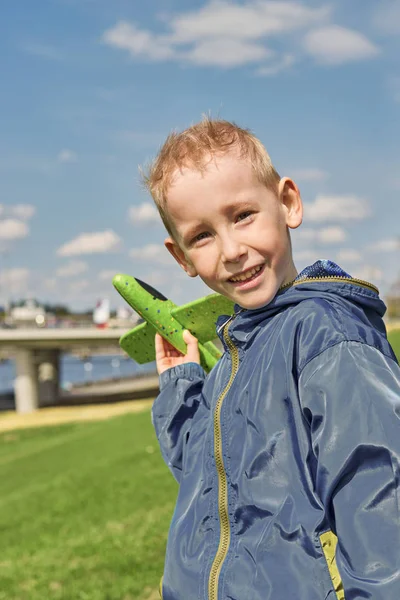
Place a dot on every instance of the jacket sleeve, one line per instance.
(350, 395)
(174, 408)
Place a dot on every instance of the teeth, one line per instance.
(246, 275)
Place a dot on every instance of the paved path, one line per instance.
(131, 384)
(70, 414)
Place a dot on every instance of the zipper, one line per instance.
(225, 531)
(359, 282)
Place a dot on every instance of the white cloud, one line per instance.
(387, 245)
(74, 267)
(220, 33)
(305, 256)
(305, 235)
(12, 229)
(337, 208)
(226, 52)
(127, 36)
(158, 278)
(155, 253)
(369, 273)
(331, 235)
(91, 243)
(254, 20)
(328, 235)
(22, 211)
(227, 34)
(311, 174)
(146, 213)
(348, 255)
(67, 156)
(334, 45)
(283, 63)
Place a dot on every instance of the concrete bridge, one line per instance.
(37, 356)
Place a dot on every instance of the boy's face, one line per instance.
(232, 231)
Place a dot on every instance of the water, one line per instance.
(74, 370)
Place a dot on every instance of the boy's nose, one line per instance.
(232, 251)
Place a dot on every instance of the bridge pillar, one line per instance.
(48, 374)
(26, 384)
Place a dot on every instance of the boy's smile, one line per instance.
(232, 230)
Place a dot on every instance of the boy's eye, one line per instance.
(244, 215)
(201, 236)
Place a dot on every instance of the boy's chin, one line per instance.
(252, 303)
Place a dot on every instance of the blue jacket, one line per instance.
(288, 452)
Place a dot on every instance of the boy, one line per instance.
(288, 452)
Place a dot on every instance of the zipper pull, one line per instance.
(230, 319)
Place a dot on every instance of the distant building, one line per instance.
(28, 314)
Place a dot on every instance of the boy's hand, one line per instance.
(167, 356)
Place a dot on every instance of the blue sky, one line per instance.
(90, 88)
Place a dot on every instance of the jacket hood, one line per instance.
(323, 279)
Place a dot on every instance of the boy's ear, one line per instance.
(180, 257)
(289, 194)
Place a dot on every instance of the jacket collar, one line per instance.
(322, 278)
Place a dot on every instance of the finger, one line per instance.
(164, 348)
(192, 346)
(159, 345)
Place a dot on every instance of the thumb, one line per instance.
(192, 343)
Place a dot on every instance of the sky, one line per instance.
(91, 88)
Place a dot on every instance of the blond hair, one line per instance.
(194, 147)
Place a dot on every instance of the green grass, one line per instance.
(394, 339)
(84, 511)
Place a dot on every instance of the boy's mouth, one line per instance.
(246, 276)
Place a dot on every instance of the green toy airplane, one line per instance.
(163, 316)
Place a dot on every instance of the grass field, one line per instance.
(394, 338)
(84, 511)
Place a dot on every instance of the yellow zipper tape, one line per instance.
(328, 543)
(225, 533)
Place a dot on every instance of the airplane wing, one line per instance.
(200, 316)
(138, 343)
